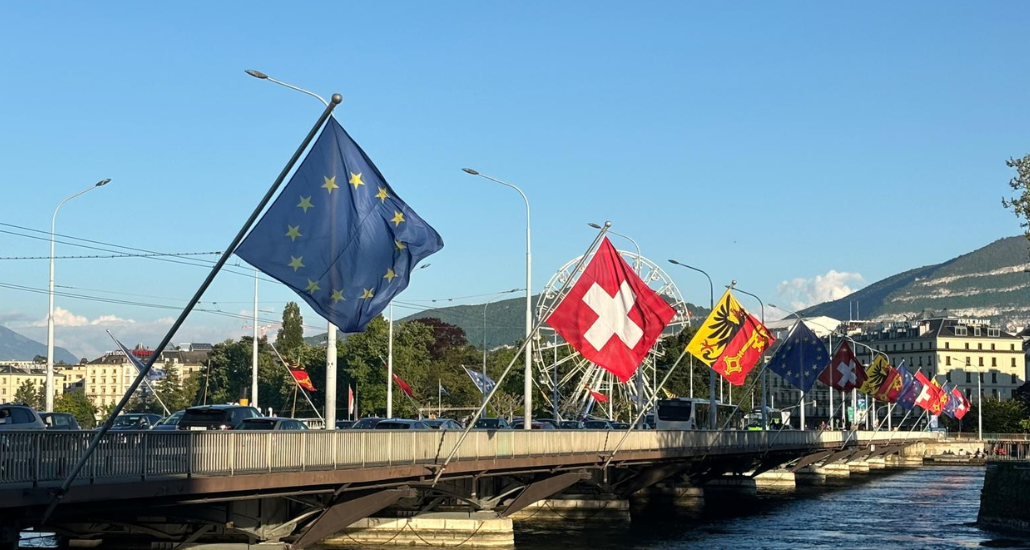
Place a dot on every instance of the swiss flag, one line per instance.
(929, 398)
(844, 372)
(963, 404)
(611, 316)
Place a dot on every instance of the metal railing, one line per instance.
(33, 458)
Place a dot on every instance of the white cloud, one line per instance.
(65, 318)
(802, 292)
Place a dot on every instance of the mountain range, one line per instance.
(988, 283)
(15, 347)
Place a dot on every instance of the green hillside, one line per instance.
(990, 282)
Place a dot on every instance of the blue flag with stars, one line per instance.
(800, 358)
(338, 235)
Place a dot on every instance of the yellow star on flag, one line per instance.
(312, 286)
(399, 245)
(296, 263)
(305, 203)
(389, 275)
(366, 294)
(293, 231)
(337, 296)
(397, 218)
(355, 179)
(382, 195)
(330, 184)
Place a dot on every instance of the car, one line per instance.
(272, 423)
(491, 424)
(169, 423)
(135, 421)
(535, 426)
(443, 424)
(620, 426)
(570, 425)
(60, 421)
(20, 417)
(597, 425)
(554, 423)
(216, 417)
(367, 423)
(401, 424)
(344, 424)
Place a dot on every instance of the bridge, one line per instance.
(172, 490)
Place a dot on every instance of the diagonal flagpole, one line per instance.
(136, 363)
(297, 384)
(222, 259)
(566, 286)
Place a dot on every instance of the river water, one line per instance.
(925, 508)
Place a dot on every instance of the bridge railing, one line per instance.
(44, 457)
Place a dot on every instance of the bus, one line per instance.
(683, 413)
(778, 419)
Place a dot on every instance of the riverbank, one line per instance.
(1005, 498)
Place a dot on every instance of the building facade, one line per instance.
(12, 378)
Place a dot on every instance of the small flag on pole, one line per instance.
(844, 372)
(155, 373)
(338, 235)
(303, 379)
(403, 385)
(599, 397)
(910, 389)
(963, 404)
(350, 400)
(443, 390)
(482, 381)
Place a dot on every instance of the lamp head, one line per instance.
(470, 171)
(674, 262)
(103, 182)
(257, 74)
(594, 225)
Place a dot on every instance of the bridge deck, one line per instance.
(154, 464)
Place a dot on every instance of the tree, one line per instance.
(291, 335)
(30, 395)
(1020, 204)
(78, 405)
(445, 336)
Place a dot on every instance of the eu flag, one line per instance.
(338, 235)
(910, 389)
(800, 358)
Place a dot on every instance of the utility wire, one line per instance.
(97, 257)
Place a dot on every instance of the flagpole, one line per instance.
(296, 383)
(543, 318)
(439, 398)
(222, 259)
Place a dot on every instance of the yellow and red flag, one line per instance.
(876, 375)
(731, 340)
(937, 407)
(891, 387)
(303, 379)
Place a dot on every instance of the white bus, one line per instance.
(682, 413)
(777, 419)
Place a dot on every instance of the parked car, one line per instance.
(401, 424)
(344, 424)
(20, 417)
(169, 423)
(135, 421)
(366, 423)
(554, 423)
(491, 424)
(535, 425)
(60, 421)
(272, 423)
(620, 426)
(443, 424)
(570, 425)
(597, 425)
(216, 417)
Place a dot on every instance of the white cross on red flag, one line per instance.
(844, 372)
(610, 316)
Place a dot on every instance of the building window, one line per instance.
(980, 375)
(1012, 347)
(947, 361)
(947, 345)
(969, 378)
(920, 360)
(1013, 362)
(1015, 380)
(967, 361)
(992, 347)
(994, 361)
(980, 360)
(969, 393)
(979, 346)
(994, 378)
(895, 348)
(920, 345)
(948, 376)
(994, 332)
(967, 345)
(960, 331)
(929, 360)
(976, 331)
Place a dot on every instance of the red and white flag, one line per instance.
(963, 404)
(610, 315)
(844, 372)
(350, 401)
(929, 396)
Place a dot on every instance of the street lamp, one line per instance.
(389, 357)
(765, 374)
(711, 373)
(50, 316)
(330, 341)
(528, 386)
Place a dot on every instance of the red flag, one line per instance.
(611, 316)
(302, 378)
(350, 400)
(963, 404)
(891, 387)
(942, 398)
(743, 351)
(929, 396)
(404, 386)
(844, 372)
(599, 397)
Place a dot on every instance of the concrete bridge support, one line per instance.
(437, 530)
(589, 508)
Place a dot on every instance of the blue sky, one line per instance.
(827, 145)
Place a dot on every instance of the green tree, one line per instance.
(30, 395)
(1020, 204)
(291, 335)
(78, 405)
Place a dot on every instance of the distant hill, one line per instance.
(990, 282)
(15, 347)
(505, 321)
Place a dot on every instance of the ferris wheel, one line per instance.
(566, 376)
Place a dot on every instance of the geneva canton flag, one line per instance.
(338, 235)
